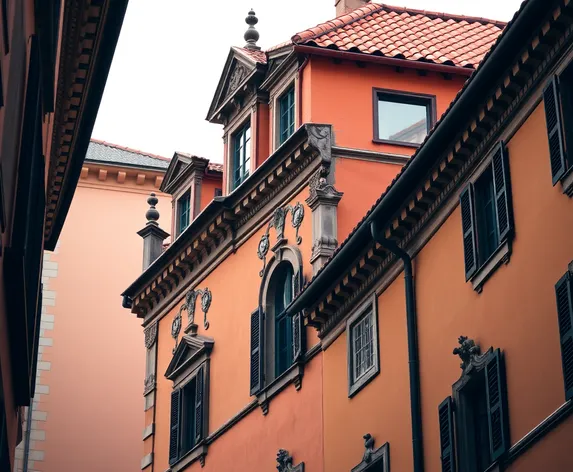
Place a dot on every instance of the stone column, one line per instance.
(323, 201)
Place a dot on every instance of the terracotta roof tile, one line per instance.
(103, 151)
(214, 167)
(256, 56)
(407, 34)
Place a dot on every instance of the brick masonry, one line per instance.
(37, 436)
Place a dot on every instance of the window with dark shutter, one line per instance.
(563, 292)
(174, 432)
(198, 417)
(446, 418)
(496, 405)
(298, 342)
(469, 231)
(554, 130)
(502, 191)
(256, 350)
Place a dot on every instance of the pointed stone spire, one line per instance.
(152, 234)
(252, 35)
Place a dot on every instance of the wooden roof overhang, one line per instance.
(90, 30)
(404, 210)
(225, 215)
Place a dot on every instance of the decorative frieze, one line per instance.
(278, 220)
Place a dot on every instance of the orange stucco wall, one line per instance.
(294, 420)
(341, 94)
(95, 405)
(208, 186)
(362, 182)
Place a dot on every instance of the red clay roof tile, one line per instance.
(407, 33)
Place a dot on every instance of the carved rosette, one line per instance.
(150, 335)
(277, 221)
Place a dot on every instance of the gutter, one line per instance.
(413, 357)
(495, 63)
(390, 61)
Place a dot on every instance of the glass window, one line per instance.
(241, 155)
(183, 212)
(363, 346)
(487, 230)
(283, 324)
(404, 119)
(286, 115)
(188, 419)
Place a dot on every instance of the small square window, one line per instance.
(183, 212)
(362, 337)
(402, 118)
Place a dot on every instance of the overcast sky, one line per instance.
(171, 54)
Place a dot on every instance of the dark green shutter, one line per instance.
(497, 405)
(298, 337)
(502, 189)
(175, 420)
(257, 330)
(446, 416)
(563, 291)
(199, 405)
(554, 130)
(469, 230)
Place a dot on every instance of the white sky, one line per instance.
(171, 54)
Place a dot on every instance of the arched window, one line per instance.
(282, 294)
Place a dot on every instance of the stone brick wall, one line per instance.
(34, 444)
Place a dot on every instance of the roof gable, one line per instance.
(239, 68)
(178, 164)
(190, 349)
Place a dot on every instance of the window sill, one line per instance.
(362, 382)
(567, 182)
(500, 256)
(197, 453)
(292, 375)
(396, 143)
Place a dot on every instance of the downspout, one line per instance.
(413, 359)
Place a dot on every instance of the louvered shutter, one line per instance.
(175, 420)
(469, 230)
(563, 290)
(298, 337)
(554, 130)
(199, 405)
(502, 188)
(446, 416)
(257, 335)
(497, 405)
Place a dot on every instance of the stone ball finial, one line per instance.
(152, 214)
(251, 35)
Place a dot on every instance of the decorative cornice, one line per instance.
(446, 176)
(94, 174)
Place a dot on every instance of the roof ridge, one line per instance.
(128, 149)
(372, 8)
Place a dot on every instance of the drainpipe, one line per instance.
(413, 360)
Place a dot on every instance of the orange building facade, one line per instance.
(54, 61)
(314, 130)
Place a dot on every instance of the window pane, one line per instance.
(404, 122)
(286, 115)
(487, 230)
(363, 345)
(188, 420)
(183, 212)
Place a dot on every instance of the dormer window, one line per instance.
(286, 115)
(241, 155)
(183, 212)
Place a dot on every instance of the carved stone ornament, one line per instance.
(278, 222)
(176, 328)
(369, 448)
(150, 335)
(467, 351)
(149, 384)
(319, 137)
(285, 462)
(237, 76)
(320, 190)
(373, 459)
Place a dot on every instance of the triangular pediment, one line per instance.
(189, 350)
(238, 69)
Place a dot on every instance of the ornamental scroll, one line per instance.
(189, 307)
(278, 221)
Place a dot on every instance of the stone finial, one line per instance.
(252, 35)
(152, 214)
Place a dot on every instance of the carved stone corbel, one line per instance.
(323, 201)
(285, 462)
